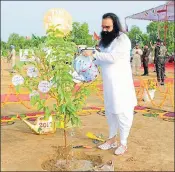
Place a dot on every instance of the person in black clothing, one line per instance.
(160, 52)
(145, 60)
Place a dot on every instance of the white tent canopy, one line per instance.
(161, 13)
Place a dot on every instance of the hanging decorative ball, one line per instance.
(60, 18)
(85, 67)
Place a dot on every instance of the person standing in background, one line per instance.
(164, 54)
(153, 46)
(131, 56)
(160, 53)
(145, 59)
(12, 57)
(136, 61)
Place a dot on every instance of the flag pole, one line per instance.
(158, 28)
(126, 26)
(166, 26)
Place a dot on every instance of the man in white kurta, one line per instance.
(136, 61)
(119, 92)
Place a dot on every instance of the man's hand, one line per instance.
(146, 58)
(87, 53)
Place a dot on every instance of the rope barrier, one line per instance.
(100, 110)
(139, 92)
(144, 87)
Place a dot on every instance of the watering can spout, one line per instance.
(33, 127)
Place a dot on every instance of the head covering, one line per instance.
(158, 40)
(137, 44)
(12, 46)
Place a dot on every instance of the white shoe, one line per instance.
(106, 146)
(121, 150)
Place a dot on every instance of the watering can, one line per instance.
(41, 126)
(85, 68)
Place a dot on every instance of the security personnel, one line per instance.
(160, 56)
(145, 60)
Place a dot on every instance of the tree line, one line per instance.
(136, 35)
(80, 36)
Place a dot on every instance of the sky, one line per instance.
(26, 17)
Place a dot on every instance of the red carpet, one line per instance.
(168, 66)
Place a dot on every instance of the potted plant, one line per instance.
(149, 90)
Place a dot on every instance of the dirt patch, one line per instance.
(77, 160)
(150, 143)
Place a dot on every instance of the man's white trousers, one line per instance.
(121, 122)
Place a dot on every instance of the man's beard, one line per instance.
(107, 38)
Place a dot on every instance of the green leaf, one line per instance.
(63, 109)
(40, 106)
(72, 121)
(47, 113)
(58, 124)
(19, 65)
(34, 99)
(17, 88)
(43, 102)
(55, 106)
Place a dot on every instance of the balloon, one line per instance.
(59, 16)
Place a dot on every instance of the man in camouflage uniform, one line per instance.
(145, 60)
(153, 46)
(160, 56)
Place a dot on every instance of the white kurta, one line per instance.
(118, 86)
(136, 57)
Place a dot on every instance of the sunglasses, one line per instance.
(106, 27)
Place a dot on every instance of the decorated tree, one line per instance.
(57, 83)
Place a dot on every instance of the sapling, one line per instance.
(59, 85)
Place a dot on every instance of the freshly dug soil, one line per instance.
(77, 161)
